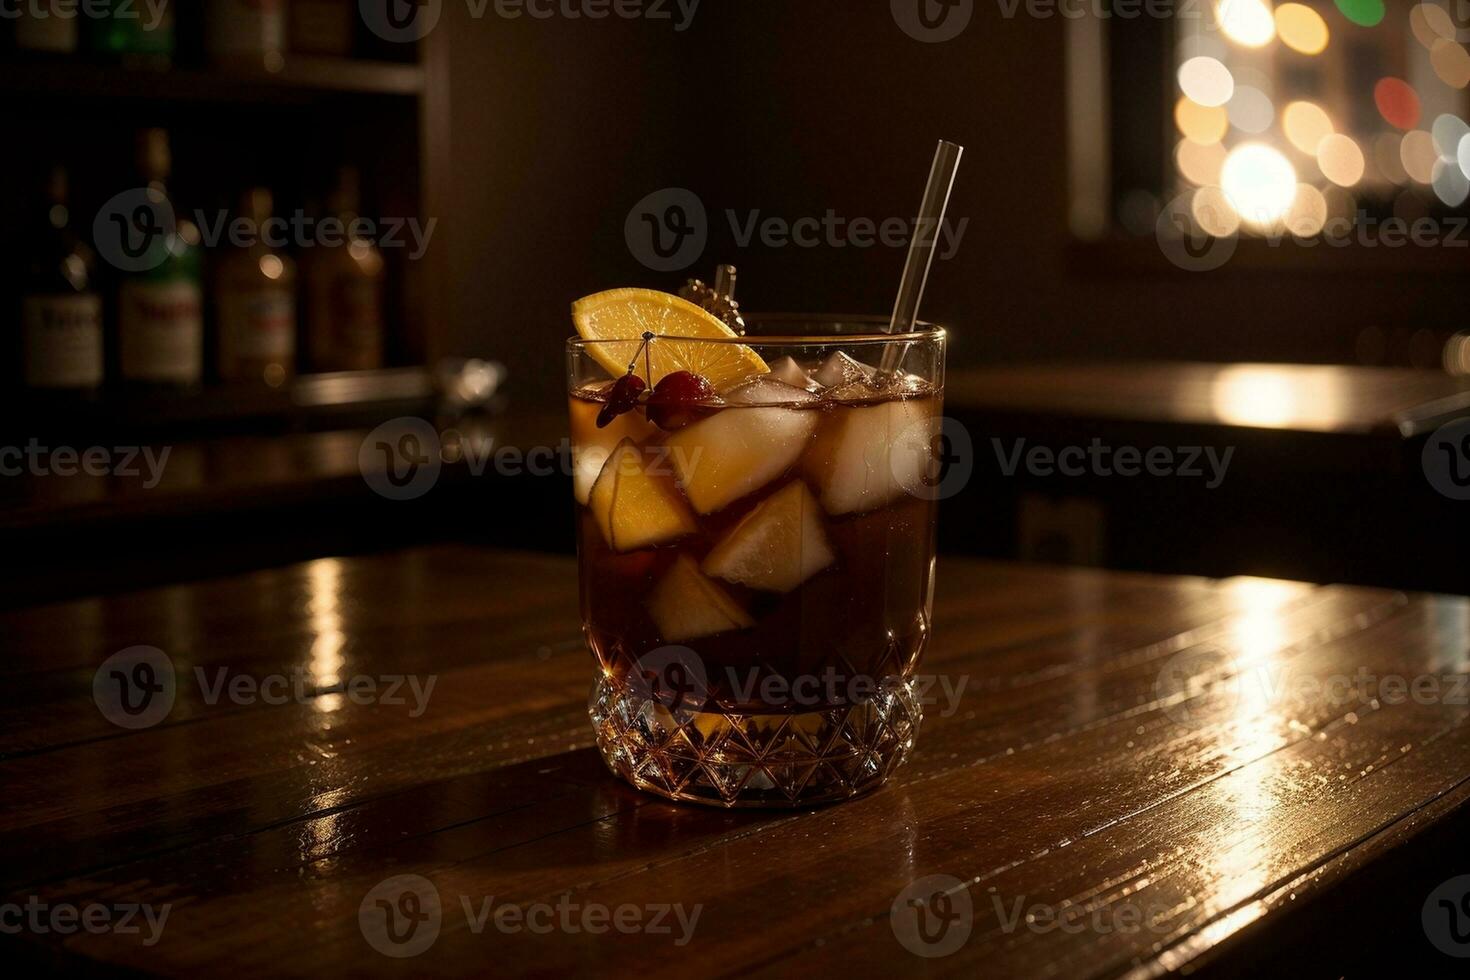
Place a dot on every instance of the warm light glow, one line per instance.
(1263, 396)
(1246, 22)
(323, 604)
(1212, 211)
(1307, 125)
(1387, 156)
(1340, 159)
(1200, 163)
(271, 266)
(1250, 110)
(1206, 81)
(1451, 63)
(1202, 124)
(1259, 182)
(1418, 156)
(1301, 28)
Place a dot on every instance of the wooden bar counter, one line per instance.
(382, 765)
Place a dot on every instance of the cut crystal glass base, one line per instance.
(754, 760)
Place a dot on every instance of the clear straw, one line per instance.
(921, 248)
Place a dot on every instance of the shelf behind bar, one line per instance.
(302, 78)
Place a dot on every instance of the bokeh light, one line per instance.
(1202, 124)
(1206, 81)
(1200, 163)
(1386, 157)
(1259, 183)
(1250, 111)
(1430, 22)
(1450, 183)
(1246, 22)
(1212, 211)
(1340, 159)
(1418, 155)
(1397, 102)
(1307, 213)
(1301, 28)
(1447, 131)
(1364, 13)
(1462, 156)
(1306, 124)
(1451, 63)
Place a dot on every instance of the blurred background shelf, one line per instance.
(301, 78)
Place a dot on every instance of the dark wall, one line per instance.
(795, 107)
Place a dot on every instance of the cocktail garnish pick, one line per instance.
(719, 299)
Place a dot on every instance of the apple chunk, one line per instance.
(686, 606)
(745, 445)
(777, 546)
(633, 507)
(591, 446)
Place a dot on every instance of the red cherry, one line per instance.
(678, 399)
(622, 396)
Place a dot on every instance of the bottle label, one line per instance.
(256, 325)
(63, 340)
(161, 331)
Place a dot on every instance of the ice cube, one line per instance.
(777, 546)
(740, 448)
(839, 369)
(591, 445)
(685, 605)
(869, 457)
(767, 390)
(787, 370)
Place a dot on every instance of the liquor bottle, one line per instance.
(160, 316)
(250, 33)
(255, 303)
(137, 35)
(322, 27)
(344, 290)
(46, 26)
(61, 311)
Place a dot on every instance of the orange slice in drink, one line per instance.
(696, 341)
